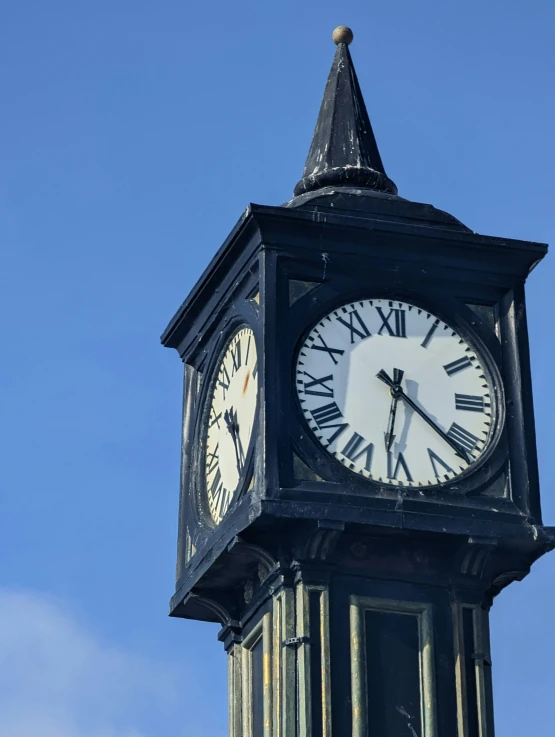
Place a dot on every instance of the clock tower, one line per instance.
(359, 476)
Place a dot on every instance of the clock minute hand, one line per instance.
(383, 376)
(239, 444)
(228, 419)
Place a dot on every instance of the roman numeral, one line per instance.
(217, 502)
(360, 329)
(248, 349)
(327, 414)
(332, 352)
(353, 451)
(223, 501)
(323, 390)
(429, 334)
(212, 460)
(236, 356)
(469, 402)
(458, 365)
(398, 329)
(216, 484)
(393, 471)
(462, 437)
(435, 459)
(255, 369)
(223, 379)
(240, 452)
(214, 418)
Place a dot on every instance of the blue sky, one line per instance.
(133, 134)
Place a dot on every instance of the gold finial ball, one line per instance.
(342, 35)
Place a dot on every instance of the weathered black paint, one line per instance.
(344, 149)
(453, 547)
(315, 662)
(392, 673)
(257, 686)
(439, 265)
(470, 672)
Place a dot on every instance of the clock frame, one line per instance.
(458, 317)
(221, 350)
(201, 347)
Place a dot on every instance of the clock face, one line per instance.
(229, 420)
(395, 394)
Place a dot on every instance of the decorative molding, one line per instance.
(321, 543)
(247, 685)
(303, 662)
(460, 670)
(360, 604)
(302, 472)
(254, 298)
(507, 577)
(264, 558)
(223, 615)
(298, 289)
(190, 548)
(248, 591)
(487, 314)
(473, 655)
(474, 556)
(231, 634)
(324, 625)
(235, 700)
(482, 664)
(285, 686)
(305, 626)
(262, 630)
(267, 675)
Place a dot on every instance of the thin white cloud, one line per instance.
(58, 679)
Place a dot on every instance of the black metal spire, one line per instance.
(344, 150)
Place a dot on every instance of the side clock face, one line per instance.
(395, 394)
(229, 419)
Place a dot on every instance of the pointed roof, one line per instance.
(344, 150)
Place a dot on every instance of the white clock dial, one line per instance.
(229, 421)
(395, 394)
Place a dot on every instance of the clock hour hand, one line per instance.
(398, 391)
(383, 376)
(389, 436)
(230, 419)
